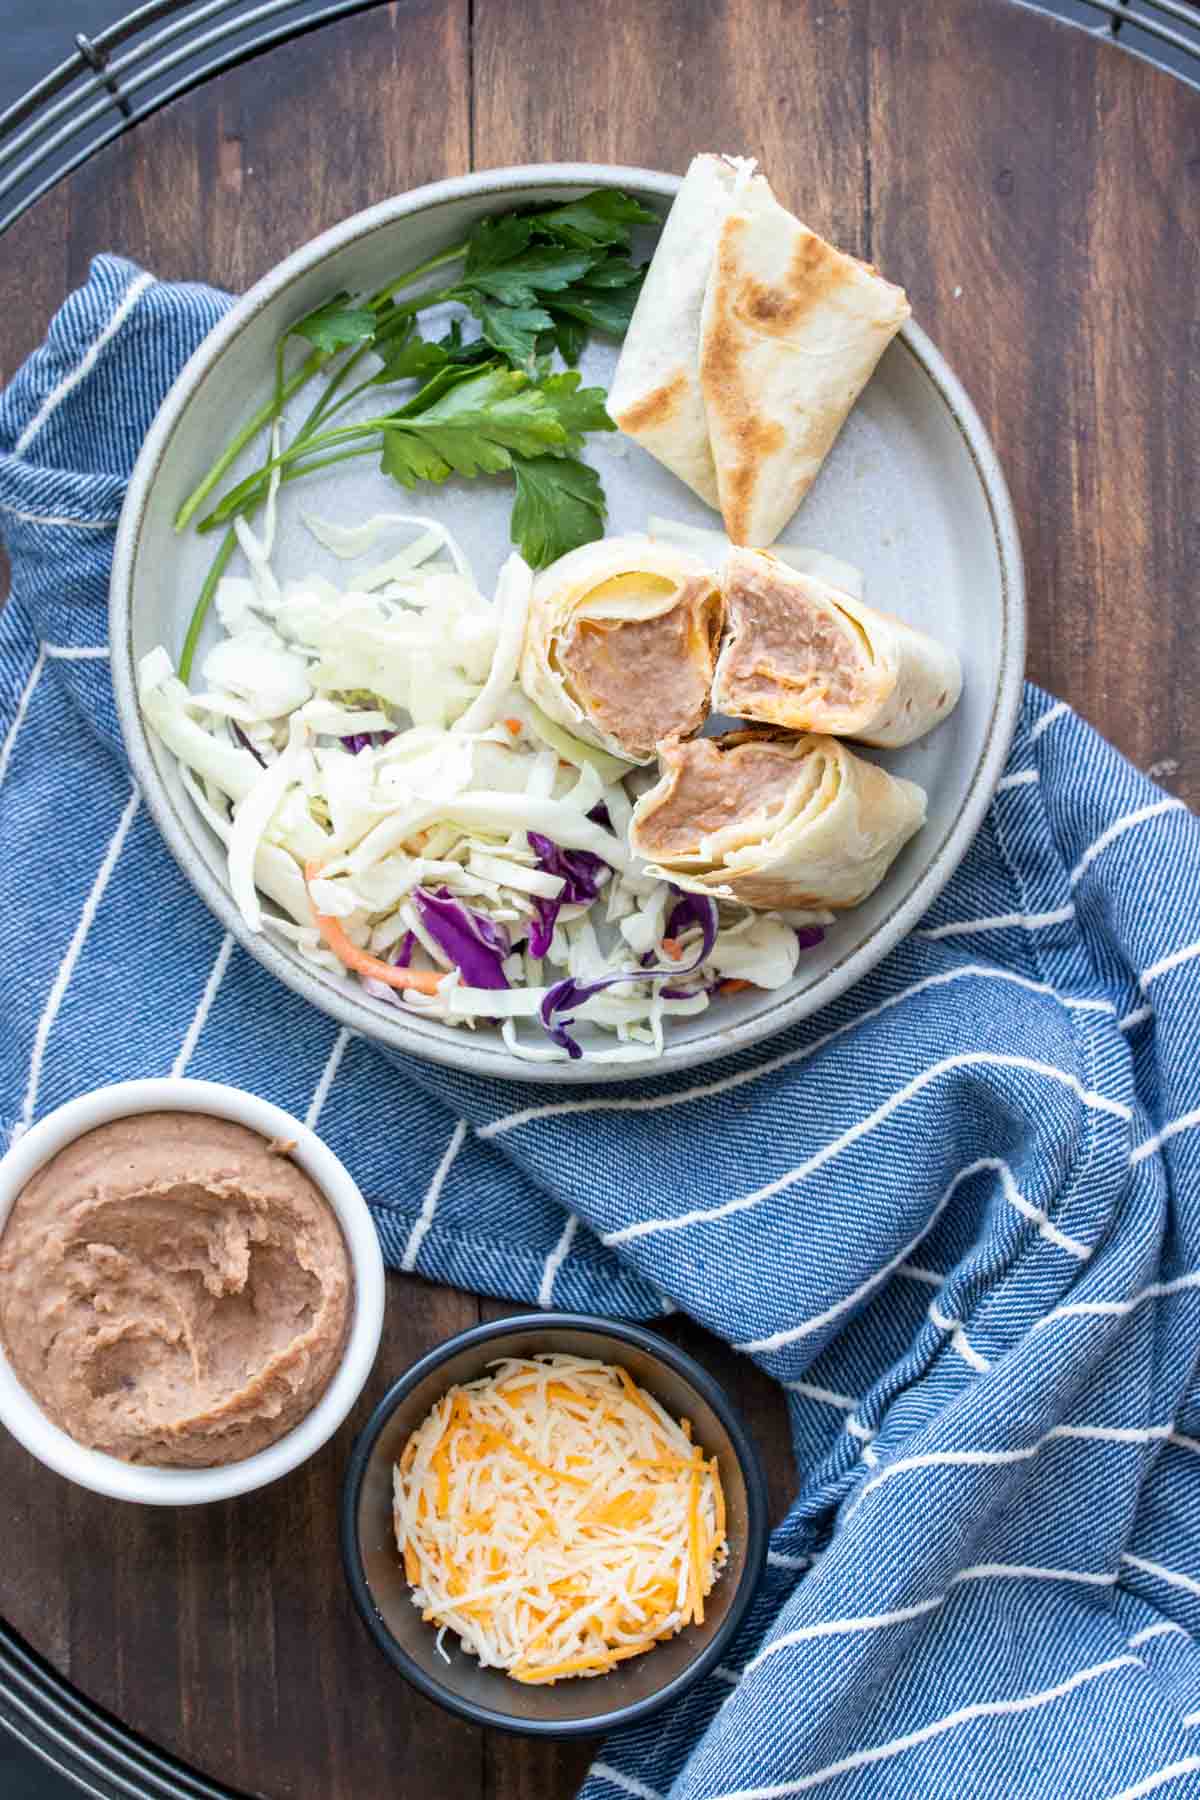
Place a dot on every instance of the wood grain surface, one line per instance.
(1039, 195)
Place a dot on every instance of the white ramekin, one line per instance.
(20, 1413)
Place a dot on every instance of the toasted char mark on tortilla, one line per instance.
(713, 786)
(816, 270)
(657, 408)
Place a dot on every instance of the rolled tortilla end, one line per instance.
(805, 656)
(621, 644)
(774, 822)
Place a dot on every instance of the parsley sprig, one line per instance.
(538, 281)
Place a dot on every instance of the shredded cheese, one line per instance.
(557, 1519)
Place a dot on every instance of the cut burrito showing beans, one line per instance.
(621, 644)
(803, 655)
(774, 821)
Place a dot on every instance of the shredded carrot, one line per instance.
(632, 1394)
(660, 1462)
(412, 1567)
(500, 1442)
(442, 1470)
(513, 725)
(425, 981)
(695, 1582)
(599, 1660)
(735, 987)
(719, 1500)
(673, 948)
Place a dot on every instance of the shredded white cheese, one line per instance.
(556, 1519)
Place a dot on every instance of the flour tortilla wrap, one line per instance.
(774, 821)
(621, 643)
(655, 395)
(807, 657)
(790, 334)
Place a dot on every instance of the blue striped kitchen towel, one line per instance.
(957, 1216)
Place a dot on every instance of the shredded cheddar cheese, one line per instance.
(556, 1519)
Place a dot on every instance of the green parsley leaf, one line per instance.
(513, 330)
(407, 460)
(568, 338)
(614, 272)
(559, 505)
(494, 242)
(476, 425)
(604, 217)
(604, 309)
(337, 325)
(544, 269)
(478, 350)
(412, 359)
(578, 409)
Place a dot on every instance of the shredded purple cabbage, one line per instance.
(366, 740)
(809, 936)
(475, 945)
(600, 815)
(408, 944)
(241, 738)
(693, 909)
(583, 873)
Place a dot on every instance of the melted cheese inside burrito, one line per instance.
(621, 643)
(773, 821)
(805, 656)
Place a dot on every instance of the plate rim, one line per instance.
(341, 1003)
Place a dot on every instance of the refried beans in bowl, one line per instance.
(174, 1290)
(181, 1291)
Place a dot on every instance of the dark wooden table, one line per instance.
(1038, 193)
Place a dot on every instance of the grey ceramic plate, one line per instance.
(912, 493)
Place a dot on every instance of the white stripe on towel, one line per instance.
(826, 1396)
(969, 1059)
(983, 1709)
(77, 652)
(321, 1092)
(728, 1083)
(1187, 1765)
(958, 1339)
(1166, 963)
(6, 749)
(1147, 1148)
(626, 1783)
(1118, 829)
(1115, 1309)
(555, 1260)
(87, 362)
(1047, 719)
(1023, 778)
(1164, 1628)
(28, 518)
(416, 1236)
(191, 1036)
(66, 968)
(1172, 1577)
(999, 922)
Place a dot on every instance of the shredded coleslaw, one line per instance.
(375, 772)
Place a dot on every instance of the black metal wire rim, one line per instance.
(52, 1719)
(81, 1741)
(109, 95)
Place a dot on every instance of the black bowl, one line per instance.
(487, 1696)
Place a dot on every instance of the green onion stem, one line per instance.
(265, 415)
(200, 611)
